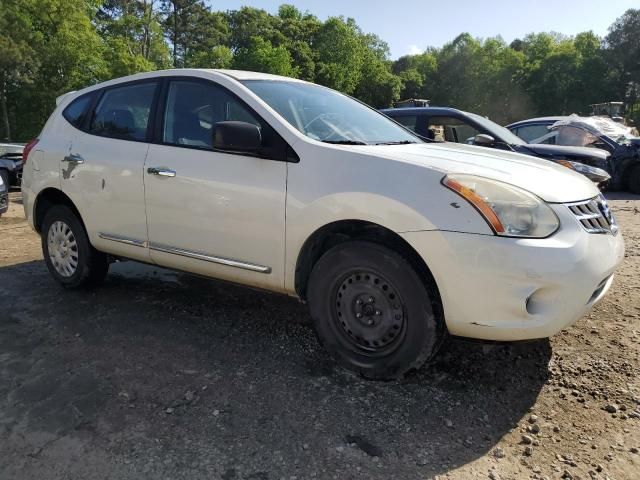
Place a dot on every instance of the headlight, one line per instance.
(594, 173)
(509, 210)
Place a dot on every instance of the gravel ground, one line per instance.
(163, 375)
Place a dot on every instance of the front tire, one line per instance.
(70, 258)
(372, 312)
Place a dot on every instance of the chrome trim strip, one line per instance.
(125, 240)
(210, 258)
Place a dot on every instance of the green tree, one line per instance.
(192, 28)
(260, 55)
(18, 62)
(340, 54)
(133, 28)
(69, 53)
(623, 55)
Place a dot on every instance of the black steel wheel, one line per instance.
(372, 311)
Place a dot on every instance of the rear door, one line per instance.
(102, 172)
(211, 212)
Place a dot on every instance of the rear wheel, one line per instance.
(634, 180)
(372, 311)
(69, 256)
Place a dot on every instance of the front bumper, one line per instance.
(507, 289)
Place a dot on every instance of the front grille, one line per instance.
(594, 215)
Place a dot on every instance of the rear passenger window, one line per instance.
(532, 132)
(124, 112)
(408, 121)
(76, 110)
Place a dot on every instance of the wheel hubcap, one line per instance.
(369, 312)
(62, 248)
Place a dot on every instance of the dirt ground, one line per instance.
(163, 375)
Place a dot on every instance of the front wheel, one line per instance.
(69, 256)
(371, 310)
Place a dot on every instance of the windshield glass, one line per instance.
(329, 116)
(500, 133)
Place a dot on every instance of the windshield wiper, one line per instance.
(403, 142)
(344, 142)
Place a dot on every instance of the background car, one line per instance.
(453, 125)
(601, 133)
(11, 164)
(4, 197)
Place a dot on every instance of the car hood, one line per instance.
(586, 152)
(549, 181)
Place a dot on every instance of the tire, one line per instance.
(65, 243)
(634, 180)
(372, 312)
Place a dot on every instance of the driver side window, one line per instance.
(451, 129)
(194, 108)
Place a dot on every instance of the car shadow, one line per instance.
(232, 383)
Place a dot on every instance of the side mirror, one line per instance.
(484, 140)
(237, 137)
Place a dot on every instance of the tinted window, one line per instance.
(451, 129)
(408, 121)
(76, 110)
(194, 108)
(532, 132)
(124, 112)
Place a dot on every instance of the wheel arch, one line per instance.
(48, 198)
(334, 233)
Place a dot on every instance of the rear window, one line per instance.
(76, 111)
(123, 112)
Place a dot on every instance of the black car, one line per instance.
(4, 197)
(452, 125)
(595, 132)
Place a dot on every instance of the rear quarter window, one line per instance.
(76, 111)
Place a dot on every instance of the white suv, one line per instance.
(292, 187)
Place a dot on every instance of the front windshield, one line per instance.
(500, 133)
(329, 116)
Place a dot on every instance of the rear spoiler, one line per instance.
(63, 96)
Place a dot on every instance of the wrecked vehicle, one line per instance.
(453, 125)
(11, 164)
(620, 141)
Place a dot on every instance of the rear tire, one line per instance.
(372, 312)
(634, 180)
(69, 256)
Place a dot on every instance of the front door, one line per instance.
(216, 213)
(102, 172)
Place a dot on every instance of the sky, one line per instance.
(409, 26)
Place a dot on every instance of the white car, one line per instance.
(288, 186)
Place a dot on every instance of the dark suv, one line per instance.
(452, 125)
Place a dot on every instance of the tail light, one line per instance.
(27, 149)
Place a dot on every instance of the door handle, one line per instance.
(163, 172)
(73, 158)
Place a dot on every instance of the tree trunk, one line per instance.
(175, 35)
(3, 111)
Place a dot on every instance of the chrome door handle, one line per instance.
(73, 158)
(163, 172)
